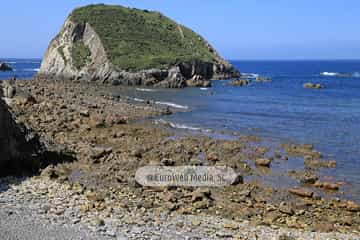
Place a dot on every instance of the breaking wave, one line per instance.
(178, 126)
(170, 104)
(32, 69)
(145, 90)
(331, 74)
(138, 100)
(249, 75)
(336, 74)
(174, 105)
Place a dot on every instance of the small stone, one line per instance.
(96, 121)
(238, 180)
(167, 162)
(99, 152)
(59, 211)
(264, 162)
(223, 234)
(284, 208)
(196, 223)
(347, 220)
(278, 155)
(138, 152)
(200, 194)
(85, 208)
(327, 185)
(98, 222)
(271, 218)
(111, 233)
(85, 113)
(75, 221)
(353, 207)
(323, 226)
(309, 179)
(92, 196)
(286, 237)
(232, 226)
(212, 157)
(302, 192)
(115, 82)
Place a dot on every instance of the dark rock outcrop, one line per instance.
(313, 85)
(5, 67)
(21, 150)
(19, 147)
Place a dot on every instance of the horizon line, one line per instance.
(230, 59)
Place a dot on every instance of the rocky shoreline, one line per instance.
(98, 188)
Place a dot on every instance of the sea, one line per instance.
(279, 111)
(22, 68)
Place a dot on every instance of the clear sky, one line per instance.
(239, 29)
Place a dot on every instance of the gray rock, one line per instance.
(9, 91)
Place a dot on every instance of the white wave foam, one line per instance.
(203, 88)
(139, 100)
(331, 74)
(177, 125)
(174, 105)
(170, 104)
(145, 90)
(249, 75)
(183, 126)
(32, 69)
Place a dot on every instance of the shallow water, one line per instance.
(282, 110)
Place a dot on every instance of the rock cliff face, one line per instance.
(140, 48)
(19, 147)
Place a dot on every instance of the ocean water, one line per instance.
(282, 110)
(279, 111)
(23, 68)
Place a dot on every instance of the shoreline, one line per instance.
(85, 119)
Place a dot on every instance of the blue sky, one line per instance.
(239, 29)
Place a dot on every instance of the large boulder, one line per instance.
(19, 147)
(114, 44)
(17, 96)
(5, 67)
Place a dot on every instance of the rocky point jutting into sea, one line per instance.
(102, 139)
(139, 48)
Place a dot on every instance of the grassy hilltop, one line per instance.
(139, 39)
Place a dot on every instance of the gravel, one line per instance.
(39, 208)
